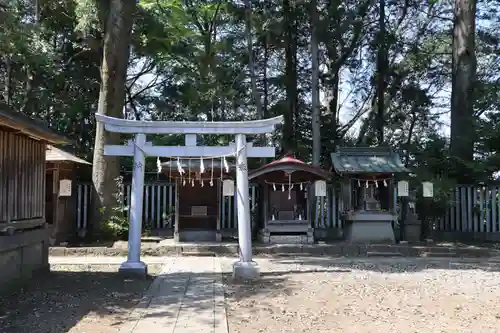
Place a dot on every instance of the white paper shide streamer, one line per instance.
(158, 164)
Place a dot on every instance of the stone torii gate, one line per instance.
(139, 148)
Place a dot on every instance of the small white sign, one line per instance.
(65, 188)
(228, 188)
(199, 211)
(427, 189)
(403, 188)
(320, 188)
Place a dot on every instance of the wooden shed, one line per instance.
(197, 212)
(63, 170)
(23, 236)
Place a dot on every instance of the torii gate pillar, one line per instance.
(139, 149)
(245, 267)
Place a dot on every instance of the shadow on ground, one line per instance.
(57, 301)
(96, 299)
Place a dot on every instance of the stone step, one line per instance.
(350, 250)
(198, 254)
(494, 260)
(383, 254)
(440, 255)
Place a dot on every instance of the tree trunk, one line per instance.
(8, 81)
(332, 135)
(316, 112)
(106, 169)
(290, 76)
(251, 63)
(381, 74)
(463, 81)
(266, 84)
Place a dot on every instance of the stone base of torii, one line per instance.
(245, 267)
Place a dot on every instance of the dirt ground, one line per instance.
(73, 299)
(378, 295)
(313, 294)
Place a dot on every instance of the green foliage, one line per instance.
(117, 227)
(190, 58)
(435, 207)
(87, 13)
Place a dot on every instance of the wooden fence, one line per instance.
(326, 210)
(159, 198)
(473, 209)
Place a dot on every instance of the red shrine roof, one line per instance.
(287, 159)
(288, 163)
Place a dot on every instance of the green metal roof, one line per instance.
(367, 160)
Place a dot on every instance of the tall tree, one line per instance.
(316, 112)
(382, 64)
(290, 111)
(118, 16)
(463, 85)
(251, 62)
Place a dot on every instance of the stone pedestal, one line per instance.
(412, 228)
(264, 236)
(246, 270)
(310, 236)
(369, 227)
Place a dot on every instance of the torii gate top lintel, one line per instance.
(118, 125)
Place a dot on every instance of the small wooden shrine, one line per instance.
(62, 170)
(199, 185)
(284, 208)
(368, 192)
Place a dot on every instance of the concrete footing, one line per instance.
(246, 270)
(134, 269)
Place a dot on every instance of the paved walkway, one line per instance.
(187, 297)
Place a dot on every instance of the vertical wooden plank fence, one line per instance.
(159, 202)
(474, 212)
(325, 210)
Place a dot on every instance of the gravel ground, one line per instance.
(73, 299)
(361, 296)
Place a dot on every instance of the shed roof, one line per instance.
(367, 160)
(54, 154)
(32, 127)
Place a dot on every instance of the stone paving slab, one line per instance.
(186, 297)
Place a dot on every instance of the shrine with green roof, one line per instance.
(368, 196)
